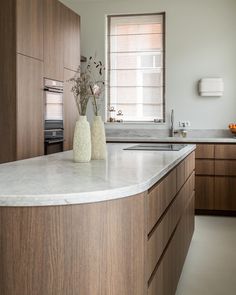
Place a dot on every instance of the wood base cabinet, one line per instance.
(216, 178)
(105, 248)
(205, 192)
(166, 277)
(225, 193)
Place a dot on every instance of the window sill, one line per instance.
(135, 125)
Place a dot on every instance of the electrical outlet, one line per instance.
(184, 124)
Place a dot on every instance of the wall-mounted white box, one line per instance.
(211, 87)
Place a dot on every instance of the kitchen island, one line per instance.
(120, 226)
(215, 170)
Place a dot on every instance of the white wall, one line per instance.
(200, 42)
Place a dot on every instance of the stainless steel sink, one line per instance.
(157, 147)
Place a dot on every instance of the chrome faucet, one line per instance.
(172, 130)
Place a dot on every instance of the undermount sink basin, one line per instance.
(157, 147)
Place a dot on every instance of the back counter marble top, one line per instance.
(57, 180)
(231, 140)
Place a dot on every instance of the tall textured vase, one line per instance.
(82, 141)
(99, 149)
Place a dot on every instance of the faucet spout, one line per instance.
(172, 131)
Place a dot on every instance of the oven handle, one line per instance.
(54, 90)
(54, 141)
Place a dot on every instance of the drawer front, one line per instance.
(166, 277)
(225, 193)
(225, 151)
(204, 192)
(225, 167)
(205, 167)
(205, 151)
(185, 169)
(164, 230)
(159, 197)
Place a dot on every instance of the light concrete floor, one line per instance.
(210, 267)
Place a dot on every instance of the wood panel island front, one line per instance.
(120, 226)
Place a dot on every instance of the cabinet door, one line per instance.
(225, 193)
(205, 167)
(165, 278)
(7, 82)
(30, 28)
(205, 151)
(185, 169)
(71, 24)
(70, 111)
(204, 192)
(29, 107)
(160, 197)
(53, 40)
(225, 151)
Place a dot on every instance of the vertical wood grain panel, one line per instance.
(30, 141)
(92, 249)
(205, 192)
(205, 151)
(30, 28)
(225, 167)
(167, 275)
(162, 233)
(225, 151)
(159, 197)
(205, 167)
(71, 26)
(70, 111)
(53, 40)
(225, 193)
(185, 169)
(8, 81)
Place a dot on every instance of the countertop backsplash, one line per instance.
(159, 133)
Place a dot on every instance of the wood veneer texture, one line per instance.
(7, 81)
(92, 249)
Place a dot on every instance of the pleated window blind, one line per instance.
(135, 72)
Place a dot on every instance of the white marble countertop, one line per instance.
(172, 139)
(57, 180)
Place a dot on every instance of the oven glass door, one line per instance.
(54, 106)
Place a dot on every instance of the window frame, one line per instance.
(108, 64)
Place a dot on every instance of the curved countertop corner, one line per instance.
(57, 180)
(152, 139)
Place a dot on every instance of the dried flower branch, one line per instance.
(88, 82)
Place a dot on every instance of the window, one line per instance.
(135, 71)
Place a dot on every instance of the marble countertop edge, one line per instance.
(86, 197)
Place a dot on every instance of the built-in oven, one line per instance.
(53, 117)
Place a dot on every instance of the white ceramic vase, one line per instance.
(98, 137)
(82, 141)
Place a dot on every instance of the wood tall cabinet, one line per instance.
(53, 39)
(39, 39)
(30, 28)
(70, 111)
(21, 75)
(71, 29)
(7, 81)
(30, 135)
(216, 177)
